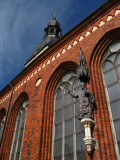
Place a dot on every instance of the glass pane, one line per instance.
(69, 144)
(81, 155)
(14, 147)
(114, 92)
(117, 129)
(23, 112)
(19, 116)
(112, 57)
(68, 112)
(15, 135)
(67, 87)
(107, 53)
(78, 125)
(17, 125)
(107, 65)
(59, 92)
(68, 127)
(119, 147)
(69, 157)
(118, 70)
(72, 79)
(80, 145)
(115, 46)
(115, 107)
(67, 99)
(12, 156)
(58, 158)
(110, 77)
(59, 103)
(58, 147)
(23, 118)
(63, 84)
(25, 103)
(19, 146)
(58, 116)
(77, 90)
(67, 76)
(77, 106)
(21, 133)
(17, 156)
(58, 131)
(118, 59)
(76, 83)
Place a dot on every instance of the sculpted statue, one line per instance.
(86, 100)
(85, 97)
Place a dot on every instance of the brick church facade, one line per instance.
(36, 114)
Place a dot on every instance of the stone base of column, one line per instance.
(88, 140)
(90, 144)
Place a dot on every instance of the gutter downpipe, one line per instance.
(7, 113)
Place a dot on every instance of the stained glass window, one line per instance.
(111, 78)
(68, 132)
(19, 132)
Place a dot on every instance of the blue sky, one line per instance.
(22, 24)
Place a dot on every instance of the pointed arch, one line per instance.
(10, 126)
(47, 124)
(104, 135)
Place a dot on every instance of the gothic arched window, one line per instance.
(111, 78)
(68, 132)
(19, 132)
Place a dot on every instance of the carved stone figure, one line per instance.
(85, 97)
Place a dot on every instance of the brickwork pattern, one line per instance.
(94, 36)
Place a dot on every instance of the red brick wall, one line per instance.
(38, 130)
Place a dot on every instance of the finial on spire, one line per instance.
(82, 72)
(54, 14)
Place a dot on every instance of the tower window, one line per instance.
(52, 30)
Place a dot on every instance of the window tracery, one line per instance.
(68, 132)
(111, 77)
(19, 132)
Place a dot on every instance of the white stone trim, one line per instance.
(101, 23)
(63, 51)
(58, 55)
(109, 18)
(117, 12)
(53, 58)
(74, 43)
(87, 34)
(94, 28)
(48, 62)
(43, 66)
(81, 38)
(69, 46)
(39, 68)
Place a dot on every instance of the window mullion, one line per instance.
(74, 131)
